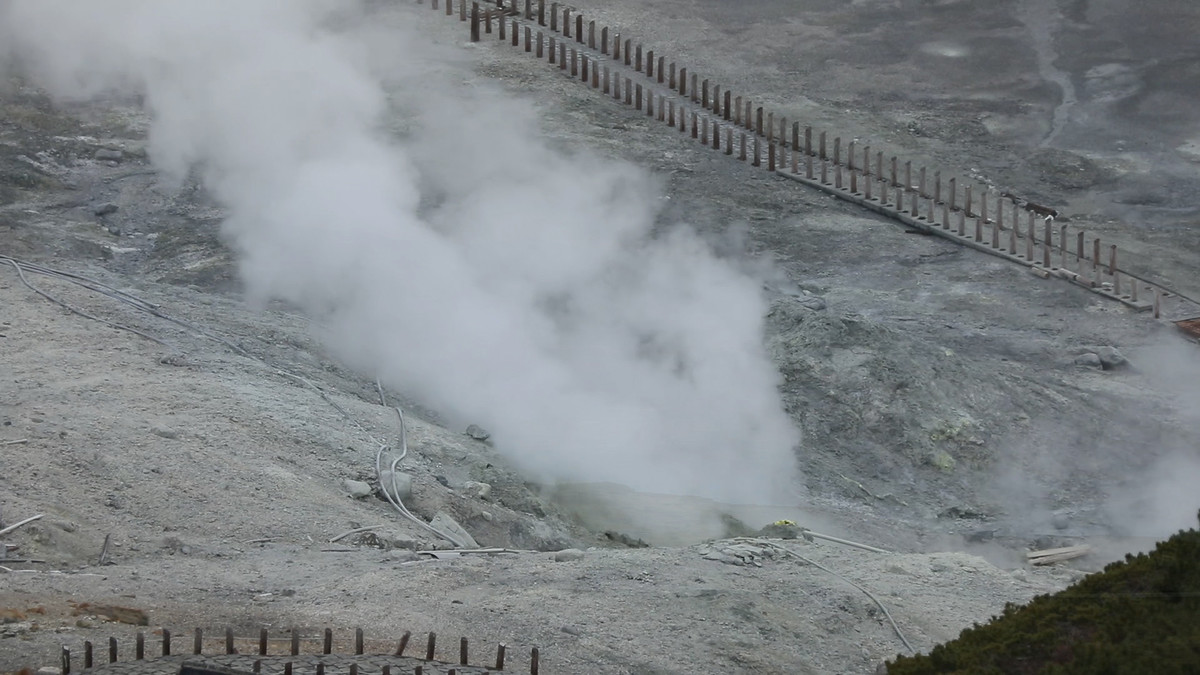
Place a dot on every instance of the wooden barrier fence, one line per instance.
(973, 215)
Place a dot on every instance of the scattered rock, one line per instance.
(1060, 521)
(164, 432)
(568, 554)
(357, 489)
(1111, 358)
(740, 554)
(48, 670)
(105, 209)
(1089, 360)
(812, 302)
(403, 555)
(571, 630)
(478, 433)
(109, 155)
(442, 521)
(942, 460)
(400, 540)
(781, 529)
(477, 489)
(402, 487)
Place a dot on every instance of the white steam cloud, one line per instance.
(499, 279)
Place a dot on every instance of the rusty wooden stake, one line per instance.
(229, 629)
(1157, 303)
(257, 667)
(758, 121)
(908, 175)
(737, 111)
(757, 153)
(999, 211)
(937, 186)
(604, 40)
(683, 81)
(295, 642)
(166, 642)
(139, 646)
(716, 136)
(953, 187)
(853, 182)
(566, 22)
(771, 157)
(913, 206)
(263, 635)
(808, 141)
(837, 150)
(742, 155)
(695, 88)
(638, 97)
(650, 63)
(591, 35)
(837, 176)
(1012, 236)
(112, 650)
(462, 10)
(1029, 237)
(403, 643)
(962, 224)
(65, 661)
(449, 7)
(967, 199)
(475, 22)
(579, 28)
(795, 163)
(500, 21)
(287, 668)
(996, 234)
(770, 128)
(541, 12)
(629, 52)
(726, 114)
(1112, 259)
(516, 34)
(431, 646)
(867, 180)
(671, 112)
(616, 50)
(197, 641)
(921, 183)
(808, 167)
(929, 209)
(320, 668)
(87, 654)
(821, 143)
(695, 126)
(673, 83)
(704, 94)
(528, 39)
(1048, 244)
(638, 61)
(540, 49)
(983, 197)
(945, 217)
(1062, 246)
(574, 63)
(528, 10)
(824, 172)
(716, 99)
(650, 105)
(500, 656)
(533, 661)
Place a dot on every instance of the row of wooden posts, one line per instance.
(140, 653)
(723, 121)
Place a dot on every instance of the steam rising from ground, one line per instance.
(504, 281)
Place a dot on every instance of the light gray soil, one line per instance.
(944, 415)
